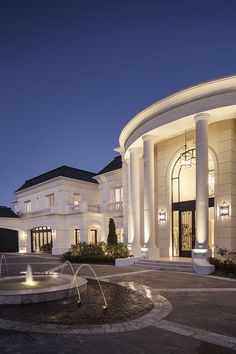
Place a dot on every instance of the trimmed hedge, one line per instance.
(96, 253)
(88, 259)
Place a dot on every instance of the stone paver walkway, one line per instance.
(199, 316)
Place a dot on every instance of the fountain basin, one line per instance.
(44, 288)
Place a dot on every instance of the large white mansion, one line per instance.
(172, 190)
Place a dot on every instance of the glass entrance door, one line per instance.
(183, 228)
(41, 239)
(187, 232)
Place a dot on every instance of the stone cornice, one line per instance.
(189, 95)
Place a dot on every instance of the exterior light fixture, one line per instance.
(224, 209)
(186, 155)
(144, 248)
(162, 215)
(211, 184)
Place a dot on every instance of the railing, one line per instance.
(84, 206)
(80, 208)
(115, 206)
(94, 207)
(34, 213)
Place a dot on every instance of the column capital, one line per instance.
(201, 116)
(135, 151)
(148, 137)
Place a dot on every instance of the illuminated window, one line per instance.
(27, 206)
(184, 181)
(76, 199)
(50, 199)
(120, 234)
(117, 194)
(76, 236)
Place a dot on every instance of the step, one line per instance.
(165, 265)
(172, 269)
(168, 263)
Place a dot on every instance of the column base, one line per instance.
(59, 251)
(153, 253)
(200, 262)
(135, 250)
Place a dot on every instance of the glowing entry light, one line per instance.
(224, 209)
(162, 215)
(186, 156)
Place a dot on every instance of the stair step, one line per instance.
(165, 261)
(168, 264)
(165, 265)
(173, 269)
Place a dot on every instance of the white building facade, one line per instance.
(66, 206)
(172, 192)
(179, 163)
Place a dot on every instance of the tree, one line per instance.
(112, 236)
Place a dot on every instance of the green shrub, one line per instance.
(225, 262)
(226, 255)
(87, 249)
(117, 251)
(87, 259)
(96, 253)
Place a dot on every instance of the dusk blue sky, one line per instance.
(73, 73)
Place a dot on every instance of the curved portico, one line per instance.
(207, 113)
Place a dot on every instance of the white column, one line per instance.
(23, 242)
(148, 192)
(201, 121)
(129, 226)
(135, 201)
(125, 167)
(200, 253)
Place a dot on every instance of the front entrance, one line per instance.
(187, 232)
(183, 228)
(41, 240)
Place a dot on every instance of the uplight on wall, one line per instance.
(162, 215)
(224, 209)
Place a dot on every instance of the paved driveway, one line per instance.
(202, 318)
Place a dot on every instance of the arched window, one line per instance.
(183, 178)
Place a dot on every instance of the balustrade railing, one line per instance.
(115, 206)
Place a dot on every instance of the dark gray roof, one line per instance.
(63, 171)
(115, 164)
(6, 212)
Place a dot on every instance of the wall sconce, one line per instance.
(54, 235)
(224, 209)
(162, 215)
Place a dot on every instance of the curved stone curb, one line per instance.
(41, 294)
(161, 309)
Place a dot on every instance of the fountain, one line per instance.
(64, 314)
(102, 292)
(29, 276)
(40, 288)
(75, 274)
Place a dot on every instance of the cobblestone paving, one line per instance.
(123, 305)
(202, 318)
